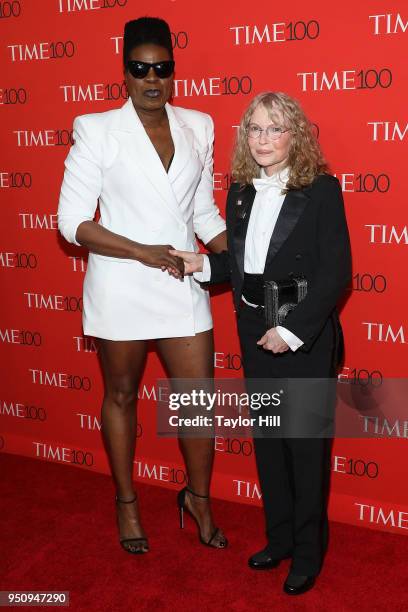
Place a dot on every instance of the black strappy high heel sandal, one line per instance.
(130, 543)
(181, 499)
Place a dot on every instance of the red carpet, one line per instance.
(58, 533)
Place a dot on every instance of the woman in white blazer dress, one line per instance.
(150, 166)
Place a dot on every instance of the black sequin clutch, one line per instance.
(281, 297)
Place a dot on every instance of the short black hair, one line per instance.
(145, 31)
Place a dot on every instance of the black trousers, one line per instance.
(293, 472)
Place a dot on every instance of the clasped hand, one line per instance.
(159, 256)
(193, 262)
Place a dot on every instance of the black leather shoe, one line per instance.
(296, 585)
(262, 560)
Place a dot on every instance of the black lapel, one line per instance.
(292, 207)
(242, 207)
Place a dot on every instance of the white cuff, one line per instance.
(291, 340)
(205, 275)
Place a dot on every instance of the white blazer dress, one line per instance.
(114, 162)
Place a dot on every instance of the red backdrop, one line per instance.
(345, 63)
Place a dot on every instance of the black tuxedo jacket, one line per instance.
(310, 238)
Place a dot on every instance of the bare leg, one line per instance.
(192, 357)
(122, 366)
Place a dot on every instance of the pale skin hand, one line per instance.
(272, 341)
(193, 262)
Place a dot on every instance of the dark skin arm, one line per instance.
(102, 241)
(218, 244)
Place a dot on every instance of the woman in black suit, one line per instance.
(285, 218)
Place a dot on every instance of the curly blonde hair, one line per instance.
(305, 160)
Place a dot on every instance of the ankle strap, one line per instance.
(124, 501)
(196, 494)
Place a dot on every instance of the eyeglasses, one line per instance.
(139, 70)
(271, 132)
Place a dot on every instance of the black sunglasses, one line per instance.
(139, 70)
